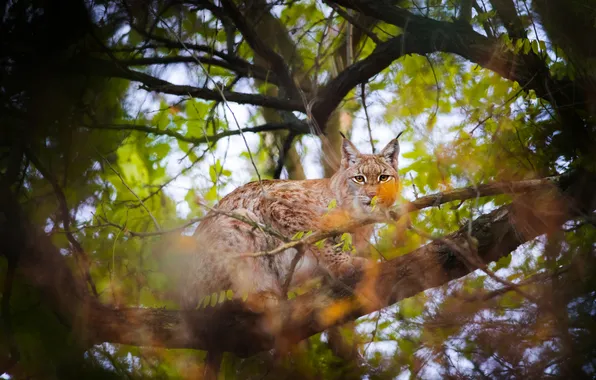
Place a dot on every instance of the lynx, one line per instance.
(363, 183)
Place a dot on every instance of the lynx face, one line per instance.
(362, 177)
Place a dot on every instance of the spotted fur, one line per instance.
(288, 207)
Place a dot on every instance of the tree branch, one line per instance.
(278, 64)
(107, 68)
(508, 14)
(283, 152)
(423, 35)
(297, 128)
(352, 20)
(237, 65)
(230, 327)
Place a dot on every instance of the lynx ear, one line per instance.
(349, 153)
(390, 153)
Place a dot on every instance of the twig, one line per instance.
(211, 118)
(113, 271)
(131, 191)
(282, 154)
(530, 280)
(471, 259)
(364, 106)
(413, 186)
(152, 233)
(186, 169)
(374, 334)
(492, 113)
(252, 223)
(354, 22)
(317, 236)
(225, 102)
(286, 285)
(485, 24)
(432, 67)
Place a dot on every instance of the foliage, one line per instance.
(125, 120)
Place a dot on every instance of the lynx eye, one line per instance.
(384, 178)
(359, 179)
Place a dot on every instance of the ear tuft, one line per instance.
(349, 152)
(390, 153)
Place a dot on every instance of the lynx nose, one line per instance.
(371, 194)
(368, 198)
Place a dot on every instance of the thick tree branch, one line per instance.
(229, 327)
(422, 35)
(352, 20)
(283, 152)
(238, 66)
(278, 64)
(107, 68)
(483, 190)
(162, 42)
(508, 14)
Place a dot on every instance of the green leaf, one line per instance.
(527, 46)
(406, 347)
(503, 262)
(373, 202)
(346, 238)
(319, 244)
(214, 299)
(519, 43)
(411, 307)
(535, 47)
(332, 204)
(211, 195)
(206, 301)
(542, 45)
(187, 149)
